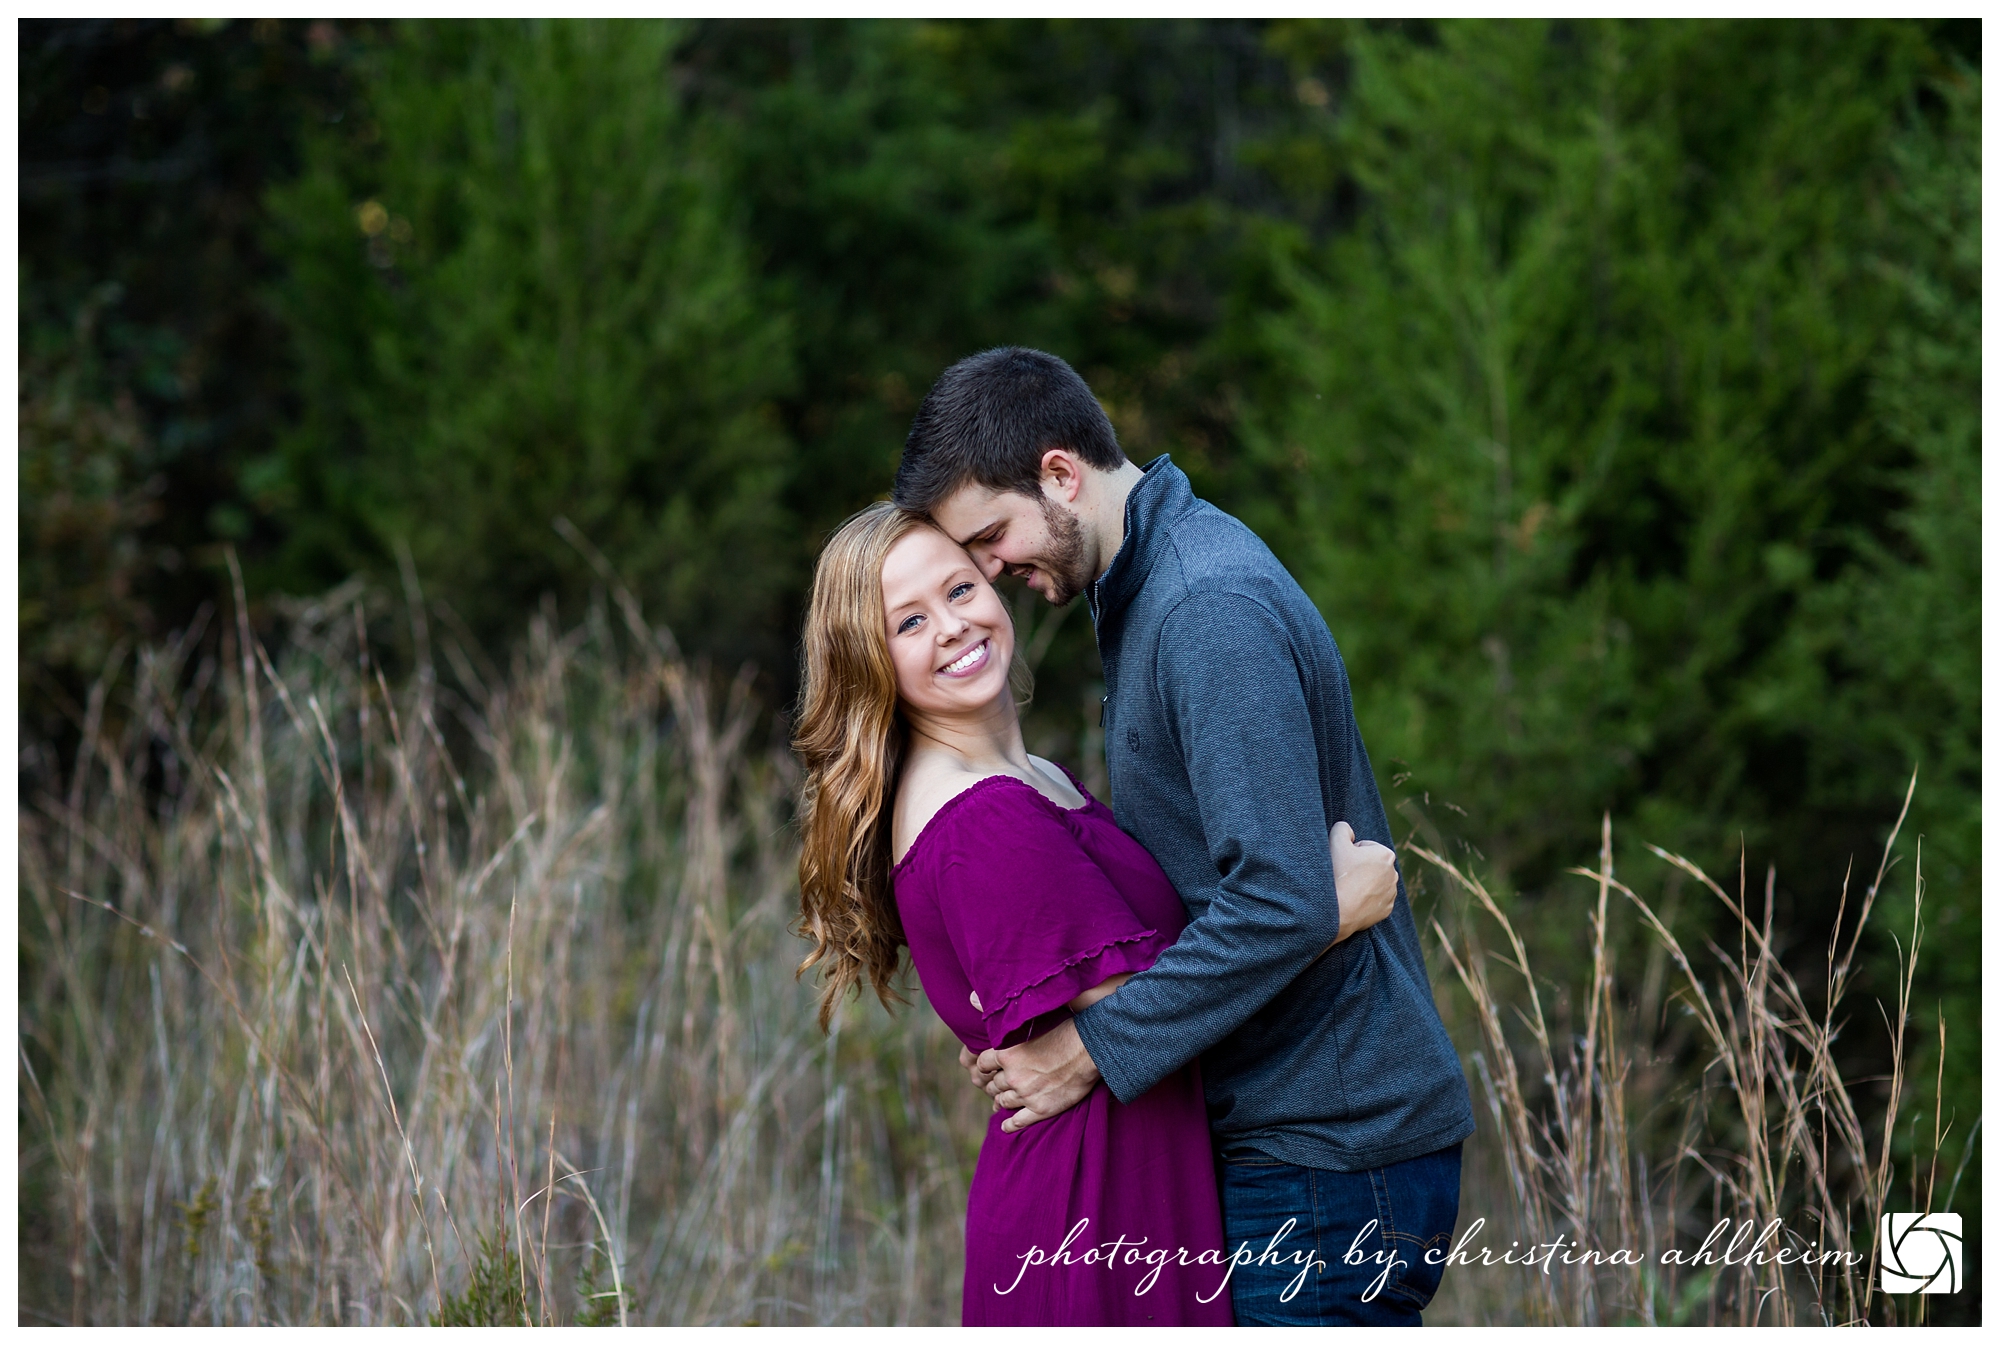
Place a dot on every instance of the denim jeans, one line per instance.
(1312, 1247)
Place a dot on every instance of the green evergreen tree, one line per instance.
(1635, 460)
(516, 294)
(1585, 414)
(1883, 666)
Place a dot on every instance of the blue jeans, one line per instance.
(1311, 1247)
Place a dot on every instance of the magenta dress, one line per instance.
(1107, 1214)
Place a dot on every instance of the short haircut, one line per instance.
(988, 420)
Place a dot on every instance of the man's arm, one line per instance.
(1227, 675)
(1047, 1075)
(1050, 1075)
(1236, 705)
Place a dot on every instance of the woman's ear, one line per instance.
(1021, 680)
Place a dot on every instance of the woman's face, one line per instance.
(950, 637)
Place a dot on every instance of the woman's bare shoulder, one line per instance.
(1060, 789)
(927, 785)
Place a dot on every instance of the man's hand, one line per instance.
(1037, 1079)
(1364, 881)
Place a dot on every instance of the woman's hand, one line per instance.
(1042, 1077)
(1364, 880)
(981, 1076)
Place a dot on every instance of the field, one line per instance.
(469, 997)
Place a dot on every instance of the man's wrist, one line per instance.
(1084, 1063)
(1098, 1052)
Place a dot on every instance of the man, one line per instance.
(1335, 1099)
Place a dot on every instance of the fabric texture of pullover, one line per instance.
(1230, 740)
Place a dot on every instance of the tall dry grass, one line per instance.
(472, 997)
(1617, 1133)
(341, 999)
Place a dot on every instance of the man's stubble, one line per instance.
(1064, 563)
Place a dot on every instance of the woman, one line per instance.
(1021, 901)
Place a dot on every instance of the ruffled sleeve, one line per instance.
(1034, 921)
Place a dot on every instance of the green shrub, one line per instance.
(495, 1294)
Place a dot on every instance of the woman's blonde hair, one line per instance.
(850, 738)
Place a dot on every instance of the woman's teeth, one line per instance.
(968, 659)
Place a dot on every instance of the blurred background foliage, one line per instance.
(1612, 387)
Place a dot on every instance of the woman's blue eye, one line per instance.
(909, 622)
(958, 590)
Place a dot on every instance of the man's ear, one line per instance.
(1062, 475)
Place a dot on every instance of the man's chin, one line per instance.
(1053, 588)
(1052, 591)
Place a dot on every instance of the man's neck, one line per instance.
(1105, 517)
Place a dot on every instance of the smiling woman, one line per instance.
(951, 640)
(944, 622)
(1021, 902)
(898, 611)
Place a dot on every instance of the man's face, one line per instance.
(1030, 537)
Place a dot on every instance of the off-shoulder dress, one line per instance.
(1105, 1214)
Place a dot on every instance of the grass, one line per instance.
(337, 997)
(1623, 1133)
(470, 999)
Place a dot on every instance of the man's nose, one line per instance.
(989, 564)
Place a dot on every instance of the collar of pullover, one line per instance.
(1160, 497)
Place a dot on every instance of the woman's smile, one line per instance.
(971, 661)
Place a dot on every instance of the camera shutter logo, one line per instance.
(1922, 1253)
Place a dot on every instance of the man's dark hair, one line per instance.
(990, 417)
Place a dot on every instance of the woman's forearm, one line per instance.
(1097, 992)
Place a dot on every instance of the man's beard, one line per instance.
(1068, 572)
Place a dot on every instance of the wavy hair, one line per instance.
(850, 737)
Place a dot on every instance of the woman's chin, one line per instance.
(981, 688)
(976, 691)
